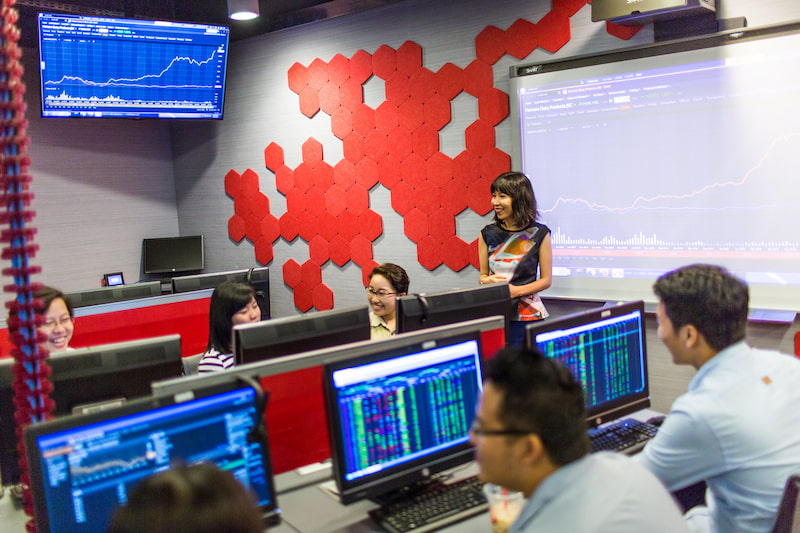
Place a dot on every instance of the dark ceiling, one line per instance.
(275, 14)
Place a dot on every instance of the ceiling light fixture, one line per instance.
(243, 9)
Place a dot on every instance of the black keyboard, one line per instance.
(626, 436)
(436, 507)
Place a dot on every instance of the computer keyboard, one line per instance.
(436, 507)
(627, 436)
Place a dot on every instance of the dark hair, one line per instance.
(228, 298)
(49, 294)
(394, 274)
(541, 396)
(709, 298)
(523, 200)
(200, 498)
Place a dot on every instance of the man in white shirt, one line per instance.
(738, 426)
(530, 436)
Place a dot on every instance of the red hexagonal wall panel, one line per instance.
(338, 69)
(456, 257)
(361, 66)
(318, 250)
(310, 273)
(415, 225)
(429, 253)
(273, 156)
(521, 38)
(291, 273)
(384, 61)
(409, 58)
(395, 143)
(361, 250)
(322, 296)
(264, 251)
(236, 229)
(489, 45)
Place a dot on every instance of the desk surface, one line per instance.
(297, 497)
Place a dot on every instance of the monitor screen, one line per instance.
(296, 417)
(418, 311)
(398, 416)
(105, 295)
(83, 467)
(173, 254)
(257, 277)
(302, 333)
(89, 379)
(605, 350)
(697, 131)
(95, 66)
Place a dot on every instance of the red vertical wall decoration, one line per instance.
(397, 145)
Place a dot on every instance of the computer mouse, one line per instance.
(656, 420)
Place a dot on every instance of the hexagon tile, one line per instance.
(395, 144)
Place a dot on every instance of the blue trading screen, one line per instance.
(108, 67)
(607, 356)
(405, 408)
(88, 470)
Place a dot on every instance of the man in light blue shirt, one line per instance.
(530, 436)
(738, 426)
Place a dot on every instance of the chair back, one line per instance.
(190, 364)
(788, 519)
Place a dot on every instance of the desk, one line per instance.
(308, 509)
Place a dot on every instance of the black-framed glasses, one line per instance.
(476, 429)
(380, 293)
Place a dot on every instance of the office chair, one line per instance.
(190, 364)
(788, 519)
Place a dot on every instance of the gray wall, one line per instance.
(103, 185)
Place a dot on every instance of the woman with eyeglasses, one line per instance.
(58, 319)
(386, 283)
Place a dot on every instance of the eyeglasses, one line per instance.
(64, 321)
(380, 293)
(476, 429)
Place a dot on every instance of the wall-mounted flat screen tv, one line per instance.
(111, 67)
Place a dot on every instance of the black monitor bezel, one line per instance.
(258, 278)
(115, 293)
(622, 406)
(153, 401)
(405, 474)
(73, 366)
(426, 310)
(261, 341)
(199, 240)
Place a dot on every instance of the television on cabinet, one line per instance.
(95, 66)
(171, 255)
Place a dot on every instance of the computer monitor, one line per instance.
(89, 379)
(296, 417)
(83, 467)
(105, 295)
(257, 277)
(170, 255)
(301, 333)
(606, 351)
(398, 416)
(418, 311)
